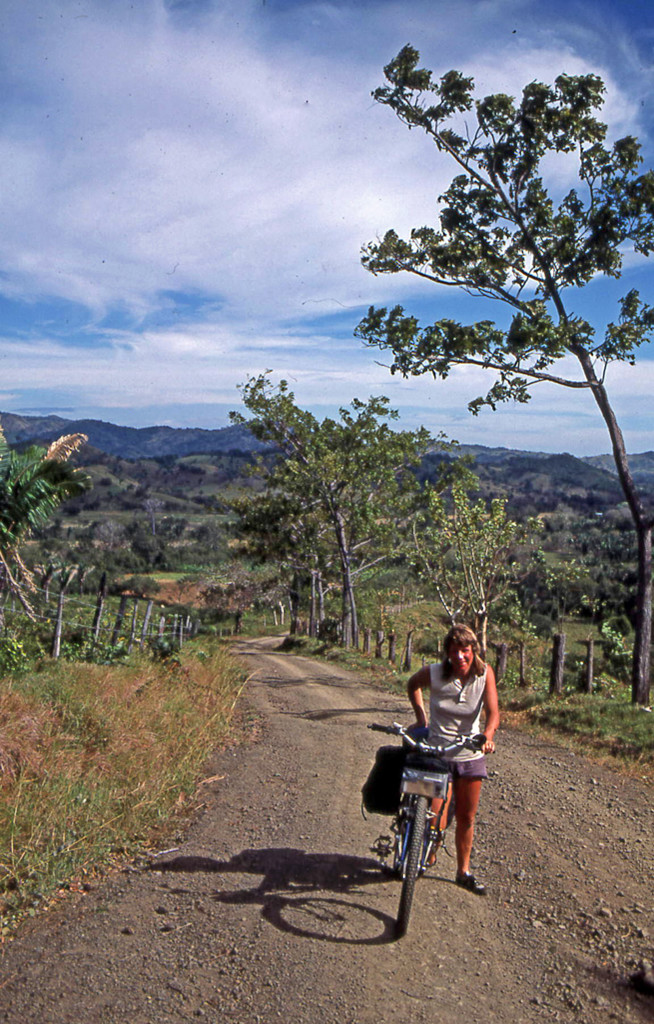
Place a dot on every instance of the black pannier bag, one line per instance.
(380, 793)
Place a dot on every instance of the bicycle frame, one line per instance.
(402, 825)
(416, 826)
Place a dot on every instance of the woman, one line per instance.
(460, 687)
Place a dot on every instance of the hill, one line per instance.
(191, 467)
(537, 482)
(129, 442)
(642, 467)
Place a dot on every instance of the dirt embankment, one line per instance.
(270, 906)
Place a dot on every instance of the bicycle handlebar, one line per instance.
(471, 742)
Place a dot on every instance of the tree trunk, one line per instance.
(640, 672)
(481, 629)
(294, 601)
(640, 676)
(502, 659)
(313, 625)
(350, 625)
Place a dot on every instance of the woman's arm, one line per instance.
(492, 709)
(417, 683)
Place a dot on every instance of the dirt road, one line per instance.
(271, 907)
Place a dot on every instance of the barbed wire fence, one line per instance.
(76, 619)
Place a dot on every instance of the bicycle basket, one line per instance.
(380, 793)
(425, 783)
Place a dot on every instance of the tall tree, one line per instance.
(33, 484)
(504, 236)
(470, 552)
(354, 472)
(286, 529)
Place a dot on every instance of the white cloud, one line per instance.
(234, 155)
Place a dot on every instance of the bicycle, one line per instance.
(417, 829)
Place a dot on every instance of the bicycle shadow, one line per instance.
(302, 893)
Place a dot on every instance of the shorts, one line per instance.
(474, 769)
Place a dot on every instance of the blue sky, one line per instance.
(186, 187)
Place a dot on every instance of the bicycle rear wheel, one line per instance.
(414, 853)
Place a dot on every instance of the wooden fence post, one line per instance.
(590, 666)
(132, 631)
(408, 652)
(558, 660)
(523, 663)
(367, 640)
(99, 608)
(162, 625)
(119, 620)
(392, 647)
(146, 622)
(66, 578)
(56, 640)
(379, 652)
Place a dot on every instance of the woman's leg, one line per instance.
(466, 796)
(439, 820)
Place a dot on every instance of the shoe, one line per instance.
(468, 881)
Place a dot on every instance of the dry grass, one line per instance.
(93, 758)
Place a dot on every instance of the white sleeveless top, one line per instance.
(455, 710)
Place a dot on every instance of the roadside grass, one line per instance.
(95, 759)
(603, 724)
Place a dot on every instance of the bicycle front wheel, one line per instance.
(414, 853)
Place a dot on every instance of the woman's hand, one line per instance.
(488, 747)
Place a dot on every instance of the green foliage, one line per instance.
(506, 233)
(472, 553)
(503, 235)
(13, 656)
(346, 485)
(33, 484)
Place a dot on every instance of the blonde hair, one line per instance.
(462, 636)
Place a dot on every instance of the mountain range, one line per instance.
(129, 442)
(539, 472)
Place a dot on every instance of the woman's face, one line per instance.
(461, 658)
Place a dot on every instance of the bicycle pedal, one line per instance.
(382, 846)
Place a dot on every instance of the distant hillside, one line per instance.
(533, 482)
(130, 442)
(536, 482)
(642, 466)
